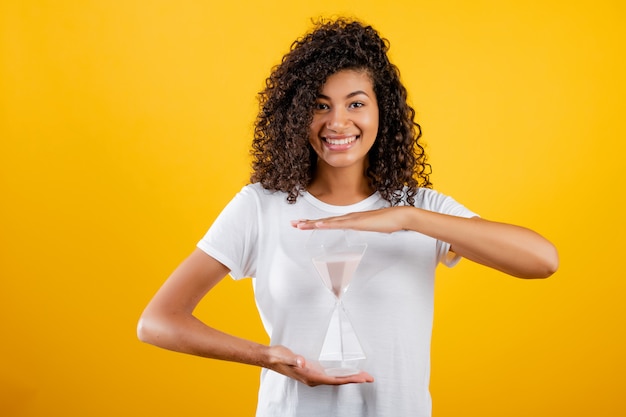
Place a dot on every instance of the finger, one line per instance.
(309, 224)
(361, 377)
(297, 223)
(347, 223)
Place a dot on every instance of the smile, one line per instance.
(341, 141)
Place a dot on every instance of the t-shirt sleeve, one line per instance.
(232, 238)
(441, 203)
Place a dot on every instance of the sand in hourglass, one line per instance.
(337, 270)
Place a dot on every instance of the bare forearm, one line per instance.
(186, 334)
(511, 249)
(189, 335)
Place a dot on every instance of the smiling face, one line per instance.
(345, 120)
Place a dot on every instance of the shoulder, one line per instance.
(424, 198)
(428, 196)
(433, 200)
(257, 189)
(260, 196)
(248, 206)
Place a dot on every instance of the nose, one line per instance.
(338, 118)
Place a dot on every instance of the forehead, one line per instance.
(346, 82)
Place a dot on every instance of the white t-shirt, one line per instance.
(389, 301)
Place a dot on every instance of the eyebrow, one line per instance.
(352, 94)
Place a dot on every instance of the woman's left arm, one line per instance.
(514, 250)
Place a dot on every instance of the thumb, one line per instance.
(300, 362)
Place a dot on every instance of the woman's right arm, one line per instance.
(168, 322)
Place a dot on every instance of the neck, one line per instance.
(340, 187)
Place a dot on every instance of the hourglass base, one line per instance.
(349, 365)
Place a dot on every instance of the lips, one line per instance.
(340, 140)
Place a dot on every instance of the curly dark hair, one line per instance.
(283, 159)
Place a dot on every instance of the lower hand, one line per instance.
(284, 361)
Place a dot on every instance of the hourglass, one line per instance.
(336, 256)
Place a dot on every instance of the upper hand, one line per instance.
(386, 220)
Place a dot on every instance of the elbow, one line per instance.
(147, 330)
(143, 332)
(544, 272)
(547, 264)
(551, 261)
(552, 267)
(159, 329)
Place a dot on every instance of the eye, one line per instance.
(321, 106)
(356, 105)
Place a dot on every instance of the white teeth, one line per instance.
(343, 141)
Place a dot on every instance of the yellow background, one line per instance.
(124, 129)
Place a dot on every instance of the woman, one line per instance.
(336, 147)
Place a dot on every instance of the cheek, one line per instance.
(314, 130)
(315, 125)
(314, 141)
(371, 121)
(374, 120)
